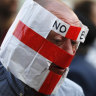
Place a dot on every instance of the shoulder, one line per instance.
(8, 82)
(69, 88)
(72, 87)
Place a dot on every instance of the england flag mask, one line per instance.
(35, 41)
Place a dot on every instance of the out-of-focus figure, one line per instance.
(93, 13)
(82, 71)
(91, 55)
(8, 9)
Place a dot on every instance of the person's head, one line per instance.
(8, 7)
(63, 12)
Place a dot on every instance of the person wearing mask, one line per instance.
(39, 48)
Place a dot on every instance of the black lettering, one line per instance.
(56, 25)
(82, 35)
(62, 29)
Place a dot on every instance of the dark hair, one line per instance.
(83, 11)
(84, 8)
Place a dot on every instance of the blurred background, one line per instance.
(83, 67)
